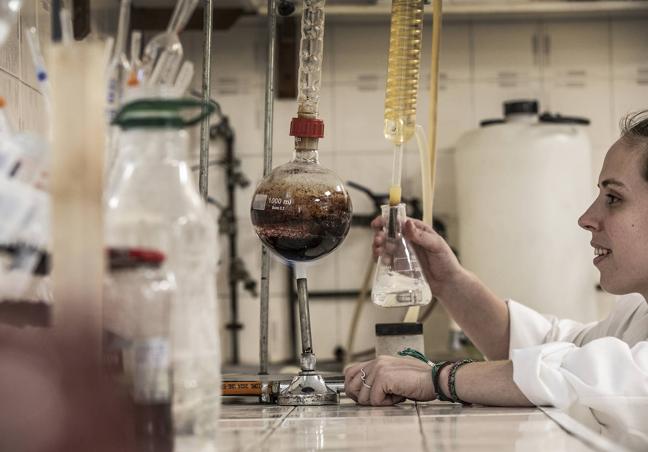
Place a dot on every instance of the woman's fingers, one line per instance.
(378, 223)
(366, 388)
(421, 234)
(388, 380)
(353, 379)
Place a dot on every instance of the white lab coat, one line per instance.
(598, 372)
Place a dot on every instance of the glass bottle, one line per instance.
(152, 202)
(398, 281)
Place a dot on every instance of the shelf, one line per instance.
(499, 10)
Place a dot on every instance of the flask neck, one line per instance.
(306, 156)
(393, 217)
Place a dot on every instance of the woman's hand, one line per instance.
(439, 264)
(389, 380)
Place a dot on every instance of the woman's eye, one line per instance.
(611, 199)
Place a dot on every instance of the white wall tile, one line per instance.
(28, 18)
(323, 326)
(370, 169)
(359, 119)
(354, 257)
(455, 111)
(445, 192)
(33, 116)
(10, 51)
(454, 55)
(354, 58)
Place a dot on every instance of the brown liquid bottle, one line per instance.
(153, 427)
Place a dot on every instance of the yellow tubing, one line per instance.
(428, 185)
(434, 94)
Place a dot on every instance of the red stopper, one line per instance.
(307, 128)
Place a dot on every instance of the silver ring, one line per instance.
(363, 377)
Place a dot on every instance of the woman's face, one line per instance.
(618, 221)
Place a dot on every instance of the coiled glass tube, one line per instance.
(403, 70)
(310, 57)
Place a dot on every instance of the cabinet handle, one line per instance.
(547, 49)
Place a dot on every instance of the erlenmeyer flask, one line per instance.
(398, 281)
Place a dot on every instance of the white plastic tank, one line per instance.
(522, 183)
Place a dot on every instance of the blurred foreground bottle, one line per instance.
(153, 203)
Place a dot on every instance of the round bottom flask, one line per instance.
(301, 210)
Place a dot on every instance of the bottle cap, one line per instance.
(307, 128)
(127, 258)
(521, 106)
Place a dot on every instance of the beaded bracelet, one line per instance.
(436, 370)
(436, 373)
(452, 377)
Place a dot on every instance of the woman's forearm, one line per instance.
(485, 383)
(481, 314)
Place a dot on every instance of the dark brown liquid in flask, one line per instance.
(301, 223)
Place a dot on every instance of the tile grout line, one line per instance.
(272, 429)
(420, 423)
(19, 80)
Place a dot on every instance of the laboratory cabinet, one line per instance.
(357, 52)
(630, 49)
(630, 68)
(454, 56)
(575, 49)
(563, 64)
(506, 51)
(454, 115)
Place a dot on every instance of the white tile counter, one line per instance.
(425, 427)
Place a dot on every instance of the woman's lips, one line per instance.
(598, 259)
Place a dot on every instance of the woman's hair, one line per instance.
(635, 128)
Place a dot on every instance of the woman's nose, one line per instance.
(588, 220)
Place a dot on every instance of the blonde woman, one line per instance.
(598, 371)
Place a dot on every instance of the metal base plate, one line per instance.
(308, 389)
